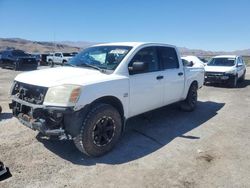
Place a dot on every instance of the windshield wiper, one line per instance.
(92, 66)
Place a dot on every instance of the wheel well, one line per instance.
(194, 83)
(113, 101)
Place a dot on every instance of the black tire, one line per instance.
(100, 131)
(233, 82)
(50, 63)
(64, 61)
(190, 103)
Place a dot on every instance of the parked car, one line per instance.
(59, 58)
(92, 97)
(228, 69)
(195, 61)
(17, 59)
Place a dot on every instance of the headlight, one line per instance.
(64, 95)
(230, 72)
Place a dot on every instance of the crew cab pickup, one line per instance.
(228, 69)
(91, 97)
(59, 58)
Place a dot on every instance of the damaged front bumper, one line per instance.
(49, 120)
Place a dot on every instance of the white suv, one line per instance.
(227, 69)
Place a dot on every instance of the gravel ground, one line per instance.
(209, 147)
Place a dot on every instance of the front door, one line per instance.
(146, 88)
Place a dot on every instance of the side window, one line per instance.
(147, 55)
(57, 54)
(239, 62)
(186, 63)
(168, 57)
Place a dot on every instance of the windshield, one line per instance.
(19, 53)
(227, 62)
(102, 57)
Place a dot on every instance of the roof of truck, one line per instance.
(133, 44)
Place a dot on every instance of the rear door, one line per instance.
(173, 74)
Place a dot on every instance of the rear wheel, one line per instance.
(50, 63)
(64, 61)
(189, 104)
(100, 131)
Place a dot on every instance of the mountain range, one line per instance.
(70, 46)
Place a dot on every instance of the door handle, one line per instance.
(180, 73)
(159, 77)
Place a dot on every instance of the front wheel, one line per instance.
(100, 131)
(189, 104)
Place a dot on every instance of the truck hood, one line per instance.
(63, 75)
(218, 69)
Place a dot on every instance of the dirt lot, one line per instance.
(165, 148)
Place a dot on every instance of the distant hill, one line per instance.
(35, 46)
(196, 52)
(79, 44)
(70, 46)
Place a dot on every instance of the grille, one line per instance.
(29, 93)
(214, 74)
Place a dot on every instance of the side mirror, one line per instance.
(239, 65)
(138, 67)
(191, 63)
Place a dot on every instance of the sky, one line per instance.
(197, 24)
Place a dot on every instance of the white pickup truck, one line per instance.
(58, 58)
(228, 69)
(90, 99)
